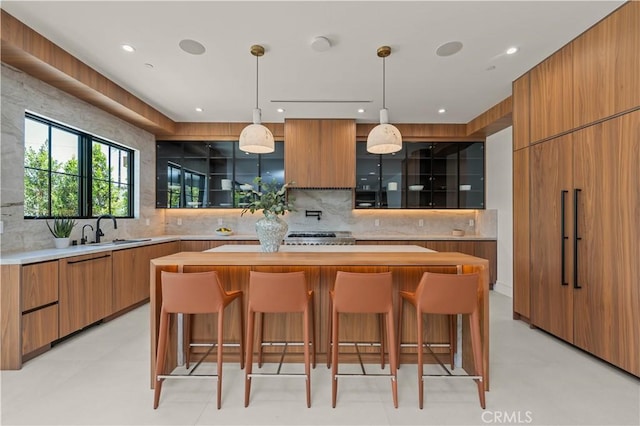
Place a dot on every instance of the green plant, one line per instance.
(62, 227)
(271, 198)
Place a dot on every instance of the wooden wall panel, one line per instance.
(10, 318)
(606, 68)
(552, 96)
(521, 237)
(521, 131)
(496, 118)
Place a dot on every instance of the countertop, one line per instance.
(26, 257)
(324, 249)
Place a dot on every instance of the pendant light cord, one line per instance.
(257, 70)
(383, 84)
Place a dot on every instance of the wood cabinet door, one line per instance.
(85, 291)
(551, 206)
(521, 226)
(551, 105)
(131, 272)
(320, 153)
(607, 304)
(606, 75)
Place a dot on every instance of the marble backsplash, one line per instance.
(337, 215)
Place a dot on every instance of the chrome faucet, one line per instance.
(99, 232)
(84, 239)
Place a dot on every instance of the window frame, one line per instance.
(85, 175)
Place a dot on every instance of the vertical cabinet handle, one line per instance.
(563, 238)
(576, 238)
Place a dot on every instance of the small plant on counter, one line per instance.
(271, 198)
(62, 227)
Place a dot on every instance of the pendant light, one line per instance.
(256, 138)
(385, 138)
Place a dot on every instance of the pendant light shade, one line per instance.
(256, 138)
(385, 138)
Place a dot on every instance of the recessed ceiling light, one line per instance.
(362, 110)
(320, 44)
(280, 110)
(442, 111)
(512, 50)
(128, 48)
(192, 47)
(450, 48)
(199, 109)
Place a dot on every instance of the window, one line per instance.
(71, 173)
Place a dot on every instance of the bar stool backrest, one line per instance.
(278, 291)
(194, 292)
(363, 292)
(448, 293)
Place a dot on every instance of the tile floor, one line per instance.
(101, 377)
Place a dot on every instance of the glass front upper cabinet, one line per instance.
(437, 175)
(210, 174)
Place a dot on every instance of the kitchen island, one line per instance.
(407, 264)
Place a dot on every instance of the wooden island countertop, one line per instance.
(320, 265)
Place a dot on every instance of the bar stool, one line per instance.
(279, 292)
(448, 294)
(369, 293)
(194, 293)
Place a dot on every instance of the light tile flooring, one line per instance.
(101, 377)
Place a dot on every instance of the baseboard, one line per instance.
(503, 288)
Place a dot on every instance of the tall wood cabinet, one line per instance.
(320, 153)
(576, 197)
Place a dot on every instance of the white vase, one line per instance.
(271, 231)
(62, 242)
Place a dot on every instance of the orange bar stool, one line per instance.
(448, 294)
(366, 293)
(194, 293)
(279, 292)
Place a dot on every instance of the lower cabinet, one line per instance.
(86, 291)
(131, 272)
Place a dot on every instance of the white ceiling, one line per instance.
(222, 81)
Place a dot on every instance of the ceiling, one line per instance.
(330, 84)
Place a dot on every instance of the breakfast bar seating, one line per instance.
(406, 265)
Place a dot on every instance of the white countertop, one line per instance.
(324, 249)
(43, 255)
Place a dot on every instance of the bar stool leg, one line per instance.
(329, 333)
(219, 354)
(393, 362)
(313, 328)
(476, 346)
(399, 333)
(186, 327)
(307, 368)
(381, 334)
(251, 316)
(260, 337)
(160, 356)
(420, 359)
(334, 357)
(453, 338)
(242, 343)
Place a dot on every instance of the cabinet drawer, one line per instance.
(39, 328)
(39, 285)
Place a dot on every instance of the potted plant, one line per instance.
(61, 231)
(272, 199)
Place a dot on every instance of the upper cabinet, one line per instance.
(606, 78)
(438, 175)
(551, 100)
(320, 153)
(210, 174)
